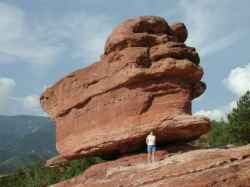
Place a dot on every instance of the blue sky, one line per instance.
(43, 40)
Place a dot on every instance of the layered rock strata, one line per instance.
(198, 168)
(145, 80)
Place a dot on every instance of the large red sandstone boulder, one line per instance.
(145, 80)
(198, 168)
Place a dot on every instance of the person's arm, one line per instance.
(147, 140)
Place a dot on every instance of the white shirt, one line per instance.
(150, 140)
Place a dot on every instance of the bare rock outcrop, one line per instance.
(145, 80)
(198, 168)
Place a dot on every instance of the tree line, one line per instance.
(233, 131)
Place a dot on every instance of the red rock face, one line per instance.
(198, 168)
(145, 81)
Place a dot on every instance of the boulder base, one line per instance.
(198, 168)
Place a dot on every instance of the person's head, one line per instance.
(151, 133)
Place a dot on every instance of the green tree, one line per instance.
(239, 121)
(218, 136)
(37, 175)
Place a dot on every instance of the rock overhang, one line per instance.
(146, 76)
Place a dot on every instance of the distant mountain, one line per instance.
(25, 139)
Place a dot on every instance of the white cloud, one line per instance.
(214, 114)
(210, 25)
(238, 80)
(11, 22)
(77, 35)
(20, 40)
(218, 113)
(221, 43)
(31, 103)
(87, 38)
(6, 87)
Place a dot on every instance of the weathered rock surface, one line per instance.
(145, 80)
(180, 31)
(198, 168)
(56, 161)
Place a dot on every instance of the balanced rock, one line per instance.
(198, 168)
(145, 80)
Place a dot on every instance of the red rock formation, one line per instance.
(145, 81)
(199, 168)
(56, 161)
